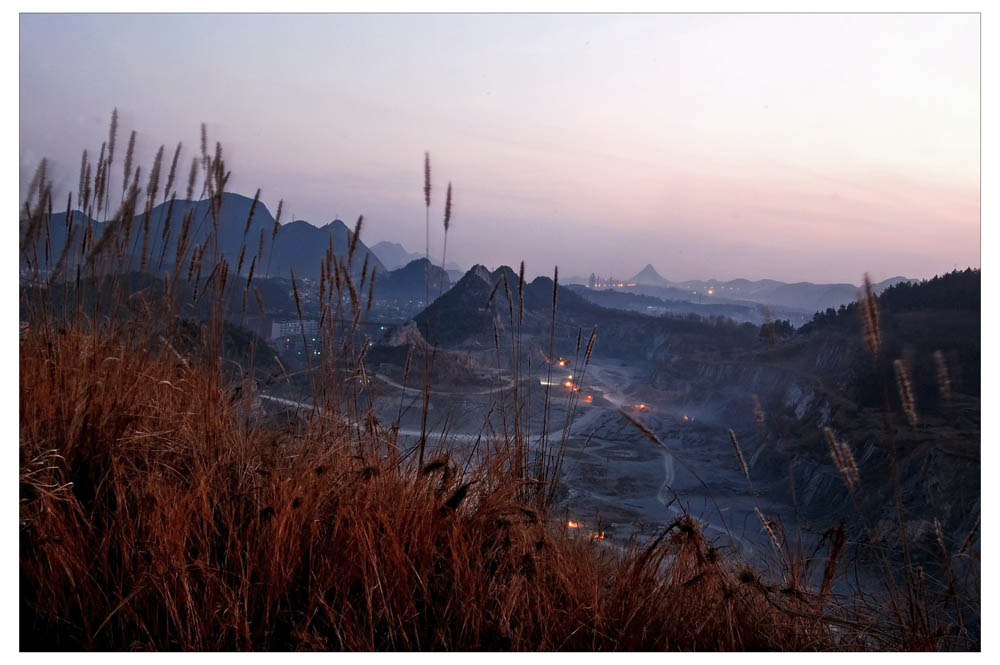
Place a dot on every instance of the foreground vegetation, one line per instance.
(163, 505)
(155, 515)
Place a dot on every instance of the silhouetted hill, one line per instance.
(649, 277)
(299, 244)
(393, 255)
(460, 318)
(916, 320)
(804, 296)
(460, 313)
(410, 281)
(954, 291)
(302, 246)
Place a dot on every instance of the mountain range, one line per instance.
(298, 245)
(393, 255)
(301, 246)
(465, 315)
(806, 297)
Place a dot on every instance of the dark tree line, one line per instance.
(958, 290)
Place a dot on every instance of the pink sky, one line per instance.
(793, 147)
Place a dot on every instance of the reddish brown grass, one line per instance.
(156, 515)
(163, 507)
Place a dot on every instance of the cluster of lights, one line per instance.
(613, 285)
(595, 535)
(569, 385)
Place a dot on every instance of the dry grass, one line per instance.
(158, 513)
(163, 507)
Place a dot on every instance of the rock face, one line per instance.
(808, 385)
(407, 335)
(482, 273)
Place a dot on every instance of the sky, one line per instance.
(805, 147)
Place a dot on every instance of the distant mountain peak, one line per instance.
(393, 255)
(482, 272)
(892, 281)
(336, 224)
(389, 244)
(648, 275)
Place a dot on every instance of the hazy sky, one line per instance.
(794, 147)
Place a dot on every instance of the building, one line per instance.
(294, 328)
(295, 336)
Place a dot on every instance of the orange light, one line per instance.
(711, 291)
(588, 398)
(573, 525)
(641, 407)
(568, 384)
(562, 363)
(597, 535)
